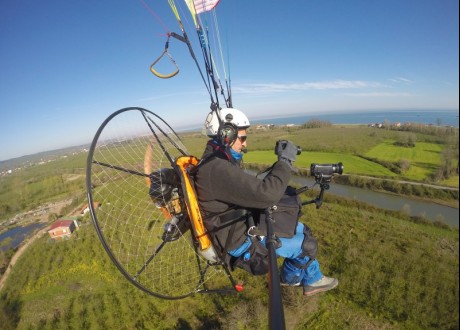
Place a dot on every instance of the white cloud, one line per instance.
(379, 94)
(401, 80)
(319, 85)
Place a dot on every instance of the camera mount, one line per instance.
(323, 174)
(318, 200)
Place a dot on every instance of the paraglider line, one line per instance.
(154, 15)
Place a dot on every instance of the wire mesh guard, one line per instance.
(130, 145)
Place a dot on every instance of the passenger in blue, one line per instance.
(232, 203)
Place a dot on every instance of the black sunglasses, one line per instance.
(242, 138)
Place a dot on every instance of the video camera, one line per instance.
(324, 172)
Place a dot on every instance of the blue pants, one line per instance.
(291, 250)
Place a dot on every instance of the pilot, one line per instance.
(232, 203)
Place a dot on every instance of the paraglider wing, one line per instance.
(201, 6)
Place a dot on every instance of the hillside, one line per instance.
(393, 274)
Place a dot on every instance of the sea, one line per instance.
(428, 117)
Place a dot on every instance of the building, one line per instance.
(62, 229)
(85, 209)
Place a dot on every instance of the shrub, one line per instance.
(404, 164)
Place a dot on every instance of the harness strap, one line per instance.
(231, 216)
(218, 150)
(228, 240)
(300, 266)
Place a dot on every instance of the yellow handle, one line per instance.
(160, 75)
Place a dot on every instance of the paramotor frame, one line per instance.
(144, 228)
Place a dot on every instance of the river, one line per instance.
(428, 210)
(17, 235)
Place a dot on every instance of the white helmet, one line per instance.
(227, 116)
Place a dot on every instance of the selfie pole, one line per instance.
(276, 312)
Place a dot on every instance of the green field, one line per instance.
(423, 158)
(363, 150)
(352, 164)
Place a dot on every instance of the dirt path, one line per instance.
(412, 182)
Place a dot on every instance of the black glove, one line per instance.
(286, 151)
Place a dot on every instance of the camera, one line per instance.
(324, 172)
(283, 143)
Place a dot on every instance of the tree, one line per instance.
(52, 217)
(406, 140)
(404, 164)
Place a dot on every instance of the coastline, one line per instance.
(428, 117)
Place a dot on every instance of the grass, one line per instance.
(424, 157)
(428, 152)
(451, 182)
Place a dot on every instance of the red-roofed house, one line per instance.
(62, 229)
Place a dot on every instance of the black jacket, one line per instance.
(222, 184)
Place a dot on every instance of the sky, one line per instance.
(65, 66)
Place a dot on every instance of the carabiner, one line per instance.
(250, 230)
